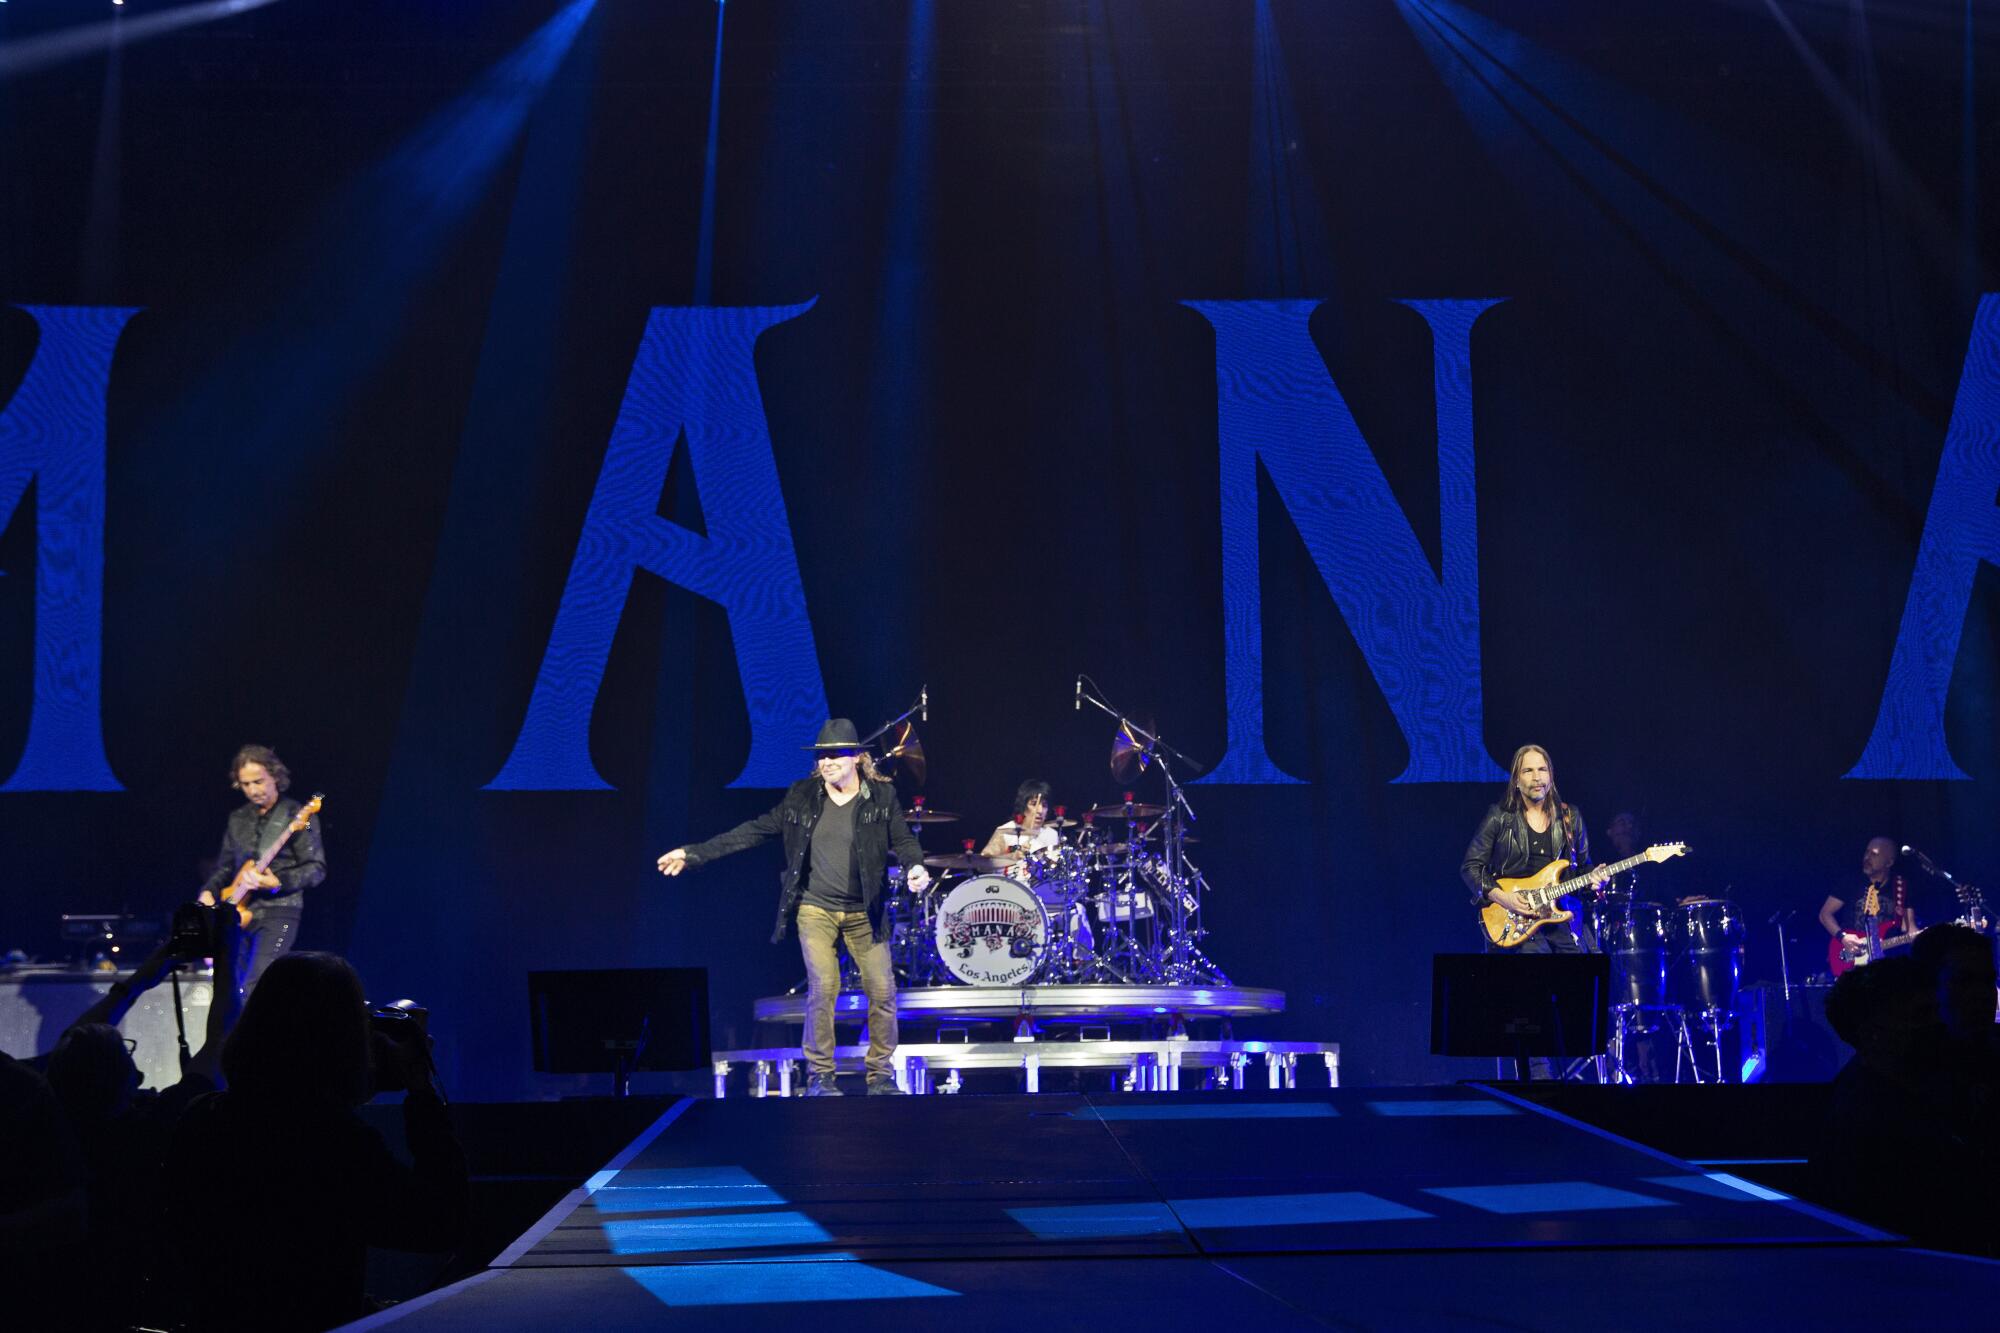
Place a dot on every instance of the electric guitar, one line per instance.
(247, 874)
(1848, 950)
(1509, 930)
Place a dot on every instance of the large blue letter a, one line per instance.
(694, 375)
(1961, 528)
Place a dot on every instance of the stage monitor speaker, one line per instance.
(1801, 1045)
(619, 1020)
(1520, 1005)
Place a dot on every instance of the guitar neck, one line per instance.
(264, 861)
(1555, 891)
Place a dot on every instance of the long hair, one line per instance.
(1514, 803)
(303, 1037)
(265, 755)
(864, 764)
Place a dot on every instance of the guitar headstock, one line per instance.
(1871, 902)
(1666, 851)
(307, 811)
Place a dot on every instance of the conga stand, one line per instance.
(1713, 1021)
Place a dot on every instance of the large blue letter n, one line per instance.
(52, 433)
(694, 374)
(1418, 630)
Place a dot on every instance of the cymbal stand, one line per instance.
(1119, 961)
(1182, 962)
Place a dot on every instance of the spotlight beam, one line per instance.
(38, 53)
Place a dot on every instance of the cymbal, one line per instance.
(905, 753)
(1057, 821)
(929, 817)
(982, 864)
(1132, 811)
(1129, 755)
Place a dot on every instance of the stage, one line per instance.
(1003, 1003)
(1399, 1208)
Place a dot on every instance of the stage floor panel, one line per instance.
(1151, 1174)
(1403, 1208)
(1634, 1291)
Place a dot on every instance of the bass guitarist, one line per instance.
(1846, 922)
(276, 898)
(1527, 829)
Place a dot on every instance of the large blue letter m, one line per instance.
(52, 433)
(694, 376)
(1417, 629)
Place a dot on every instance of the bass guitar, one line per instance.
(1510, 930)
(249, 872)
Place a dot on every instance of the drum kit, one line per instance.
(1109, 897)
(1118, 902)
(1675, 970)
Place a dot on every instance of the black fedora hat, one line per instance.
(836, 733)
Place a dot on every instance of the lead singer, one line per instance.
(838, 825)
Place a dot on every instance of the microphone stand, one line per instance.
(921, 705)
(1184, 962)
(1784, 971)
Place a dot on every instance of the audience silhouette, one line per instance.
(1907, 1140)
(280, 1184)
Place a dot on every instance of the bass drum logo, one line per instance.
(991, 931)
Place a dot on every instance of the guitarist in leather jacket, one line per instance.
(277, 900)
(838, 827)
(1527, 829)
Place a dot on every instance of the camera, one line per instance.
(394, 1030)
(193, 935)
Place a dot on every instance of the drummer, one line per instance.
(1030, 836)
(1027, 833)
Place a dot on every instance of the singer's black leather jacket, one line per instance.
(1499, 850)
(878, 826)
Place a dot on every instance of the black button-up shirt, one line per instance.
(298, 866)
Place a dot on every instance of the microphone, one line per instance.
(924, 701)
(1079, 694)
(1927, 863)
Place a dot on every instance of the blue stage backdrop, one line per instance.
(533, 417)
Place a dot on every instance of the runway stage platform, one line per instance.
(1429, 1208)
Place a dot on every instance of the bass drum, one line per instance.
(991, 931)
(1708, 955)
(1636, 939)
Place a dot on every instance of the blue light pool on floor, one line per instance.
(1091, 1221)
(1292, 1210)
(1552, 1196)
(778, 1284)
(659, 1189)
(735, 1231)
(1720, 1185)
(1441, 1108)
